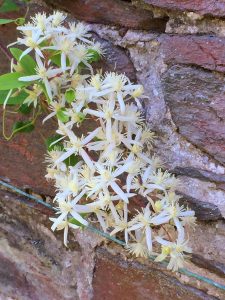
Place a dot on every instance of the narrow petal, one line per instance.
(58, 221)
(65, 235)
(118, 190)
(48, 88)
(101, 221)
(28, 50)
(79, 218)
(64, 156)
(90, 136)
(148, 233)
(86, 158)
(29, 78)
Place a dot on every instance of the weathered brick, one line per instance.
(196, 101)
(115, 278)
(33, 263)
(202, 7)
(204, 51)
(100, 11)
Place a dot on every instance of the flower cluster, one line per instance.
(101, 157)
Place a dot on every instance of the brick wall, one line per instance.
(176, 49)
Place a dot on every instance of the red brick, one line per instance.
(115, 278)
(204, 51)
(202, 7)
(196, 101)
(112, 12)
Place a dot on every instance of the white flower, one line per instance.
(76, 146)
(145, 220)
(43, 74)
(64, 225)
(175, 250)
(107, 178)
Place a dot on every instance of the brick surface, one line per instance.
(204, 51)
(202, 7)
(115, 278)
(100, 11)
(196, 101)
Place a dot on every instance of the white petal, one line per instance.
(29, 78)
(86, 158)
(119, 192)
(148, 233)
(28, 50)
(58, 221)
(64, 156)
(79, 218)
(52, 114)
(90, 136)
(48, 88)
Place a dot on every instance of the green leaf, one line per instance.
(51, 140)
(93, 55)
(25, 109)
(8, 5)
(72, 160)
(70, 95)
(56, 59)
(20, 21)
(13, 100)
(10, 81)
(62, 116)
(6, 21)
(23, 126)
(75, 222)
(27, 62)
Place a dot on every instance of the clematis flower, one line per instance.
(43, 75)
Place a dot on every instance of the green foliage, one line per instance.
(52, 139)
(62, 116)
(23, 126)
(70, 95)
(27, 62)
(72, 160)
(13, 100)
(8, 5)
(93, 55)
(10, 81)
(6, 21)
(25, 109)
(75, 222)
(18, 21)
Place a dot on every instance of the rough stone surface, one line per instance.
(204, 211)
(196, 102)
(146, 284)
(204, 51)
(210, 7)
(182, 73)
(100, 11)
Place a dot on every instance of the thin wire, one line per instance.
(109, 237)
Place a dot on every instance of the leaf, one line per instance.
(70, 95)
(13, 100)
(20, 21)
(6, 21)
(25, 109)
(51, 140)
(93, 55)
(62, 116)
(8, 5)
(56, 59)
(27, 62)
(23, 126)
(72, 160)
(75, 222)
(10, 81)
